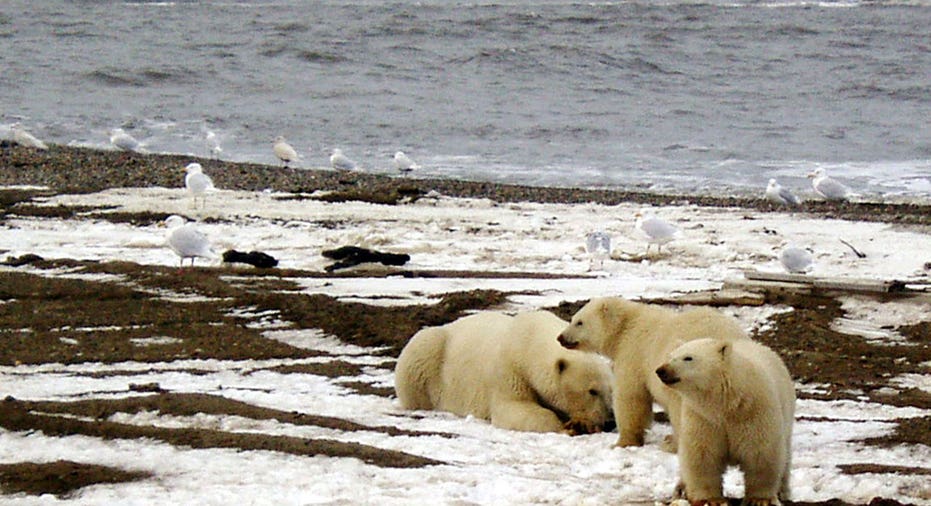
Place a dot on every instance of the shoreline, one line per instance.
(67, 169)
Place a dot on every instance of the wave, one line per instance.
(915, 93)
(116, 76)
(306, 55)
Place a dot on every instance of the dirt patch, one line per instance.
(19, 416)
(60, 478)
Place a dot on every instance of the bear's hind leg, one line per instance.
(524, 415)
(763, 481)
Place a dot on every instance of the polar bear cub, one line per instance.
(506, 369)
(738, 407)
(637, 338)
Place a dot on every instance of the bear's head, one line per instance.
(696, 366)
(592, 326)
(584, 386)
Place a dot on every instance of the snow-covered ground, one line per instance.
(486, 465)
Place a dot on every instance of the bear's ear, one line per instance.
(561, 365)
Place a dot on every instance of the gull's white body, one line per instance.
(827, 187)
(186, 241)
(123, 141)
(796, 260)
(657, 231)
(779, 195)
(339, 161)
(24, 138)
(197, 183)
(403, 162)
(598, 245)
(284, 151)
(213, 144)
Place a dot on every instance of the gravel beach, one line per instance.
(36, 299)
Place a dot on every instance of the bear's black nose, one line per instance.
(567, 343)
(666, 376)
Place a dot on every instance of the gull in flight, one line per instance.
(186, 241)
(403, 163)
(24, 138)
(284, 151)
(123, 141)
(827, 187)
(779, 195)
(197, 183)
(658, 231)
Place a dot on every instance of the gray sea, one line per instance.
(711, 97)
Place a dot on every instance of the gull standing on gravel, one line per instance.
(779, 195)
(403, 163)
(658, 231)
(796, 260)
(186, 241)
(339, 161)
(26, 139)
(284, 151)
(197, 183)
(123, 141)
(827, 187)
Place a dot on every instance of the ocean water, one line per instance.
(711, 97)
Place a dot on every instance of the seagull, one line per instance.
(829, 188)
(598, 245)
(26, 139)
(658, 231)
(186, 241)
(339, 161)
(403, 163)
(123, 141)
(779, 195)
(196, 182)
(796, 260)
(284, 151)
(213, 145)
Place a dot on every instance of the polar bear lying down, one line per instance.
(506, 369)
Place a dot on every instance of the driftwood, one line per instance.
(723, 297)
(808, 282)
(350, 256)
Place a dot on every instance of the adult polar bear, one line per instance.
(738, 407)
(507, 369)
(638, 337)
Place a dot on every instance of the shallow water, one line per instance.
(713, 98)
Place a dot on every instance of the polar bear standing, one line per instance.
(738, 407)
(638, 337)
(509, 370)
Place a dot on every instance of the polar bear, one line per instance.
(506, 369)
(637, 337)
(738, 407)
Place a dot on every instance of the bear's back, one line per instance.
(470, 359)
(772, 372)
